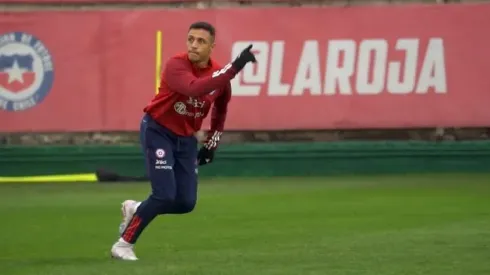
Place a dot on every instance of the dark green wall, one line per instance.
(264, 159)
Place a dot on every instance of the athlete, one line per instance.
(191, 83)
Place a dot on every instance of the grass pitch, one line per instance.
(374, 225)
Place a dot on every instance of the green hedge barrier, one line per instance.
(262, 159)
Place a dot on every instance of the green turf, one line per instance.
(427, 225)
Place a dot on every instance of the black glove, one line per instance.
(205, 156)
(244, 57)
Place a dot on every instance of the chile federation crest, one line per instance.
(26, 71)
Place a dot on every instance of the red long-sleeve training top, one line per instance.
(186, 94)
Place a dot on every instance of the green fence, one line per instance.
(264, 159)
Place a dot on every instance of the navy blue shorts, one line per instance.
(171, 163)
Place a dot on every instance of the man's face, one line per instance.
(200, 44)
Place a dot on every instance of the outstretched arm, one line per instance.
(179, 77)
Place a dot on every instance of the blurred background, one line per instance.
(341, 85)
(358, 143)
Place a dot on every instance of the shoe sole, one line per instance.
(121, 259)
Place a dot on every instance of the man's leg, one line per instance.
(129, 206)
(160, 162)
(185, 171)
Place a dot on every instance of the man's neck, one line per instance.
(202, 64)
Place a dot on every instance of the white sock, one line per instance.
(121, 240)
(137, 205)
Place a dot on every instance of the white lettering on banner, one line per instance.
(363, 68)
(339, 74)
(433, 62)
(250, 74)
(308, 73)
(24, 104)
(276, 86)
(375, 52)
(3, 104)
(406, 85)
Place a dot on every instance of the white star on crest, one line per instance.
(15, 73)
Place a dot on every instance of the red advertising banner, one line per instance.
(119, 1)
(318, 68)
